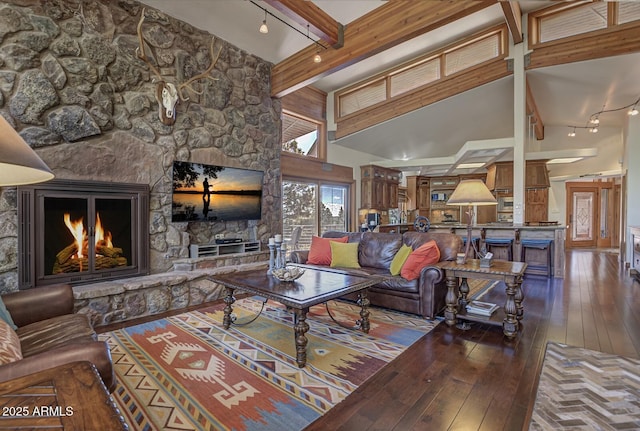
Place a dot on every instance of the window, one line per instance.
(299, 135)
(314, 208)
(570, 22)
(422, 71)
(628, 11)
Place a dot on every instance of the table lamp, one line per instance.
(19, 164)
(470, 193)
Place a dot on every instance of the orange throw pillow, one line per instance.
(427, 254)
(320, 251)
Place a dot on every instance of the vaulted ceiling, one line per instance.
(565, 94)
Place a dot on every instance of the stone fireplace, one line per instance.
(82, 231)
(82, 98)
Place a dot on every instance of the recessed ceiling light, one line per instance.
(563, 160)
(470, 165)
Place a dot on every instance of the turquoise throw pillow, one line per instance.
(5, 315)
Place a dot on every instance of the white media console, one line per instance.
(204, 250)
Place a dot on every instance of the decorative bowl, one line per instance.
(288, 273)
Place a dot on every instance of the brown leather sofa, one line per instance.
(424, 296)
(51, 334)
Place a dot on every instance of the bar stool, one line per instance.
(540, 267)
(475, 245)
(502, 248)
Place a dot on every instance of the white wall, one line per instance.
(608, 142)
(632, 163)
(339, 155)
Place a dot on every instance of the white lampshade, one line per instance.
(19, 164)
(472, 192)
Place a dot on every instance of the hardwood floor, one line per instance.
(477, 379)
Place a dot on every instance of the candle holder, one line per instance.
(272, 249)
(278, 262)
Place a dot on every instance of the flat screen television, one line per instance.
(215, 193)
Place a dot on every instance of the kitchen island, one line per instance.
(517, 233)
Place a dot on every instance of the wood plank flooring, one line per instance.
(478, 380)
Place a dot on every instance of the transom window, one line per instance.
(422, 71)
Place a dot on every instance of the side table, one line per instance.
(510, 273)
(68, 397)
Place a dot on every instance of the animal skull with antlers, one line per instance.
(167, 94)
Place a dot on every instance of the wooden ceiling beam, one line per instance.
(383, 28)
(532, 110)
(307, 13)
(513, 16)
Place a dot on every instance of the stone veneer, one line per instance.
(186, 286)
(72, 86)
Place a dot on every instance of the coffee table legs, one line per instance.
(229, 299)
(300, 328)
(363, 302)
(510, 323)
(451, 300)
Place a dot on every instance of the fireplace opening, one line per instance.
(77, 242)
(77, 232)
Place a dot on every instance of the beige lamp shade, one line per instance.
(19, 164)
(472, 192)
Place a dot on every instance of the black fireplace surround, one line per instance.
(82, 231)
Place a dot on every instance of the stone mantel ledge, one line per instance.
(121, 300)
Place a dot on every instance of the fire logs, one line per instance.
(68, 260)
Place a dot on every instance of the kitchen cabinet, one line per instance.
(441, 189)
(536, 205)
(536, 199)
(419, 195)
(379, 187)
(500, 176)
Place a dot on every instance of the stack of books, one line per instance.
(481, 308)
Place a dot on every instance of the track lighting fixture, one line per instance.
(263, 28)
(594, 119)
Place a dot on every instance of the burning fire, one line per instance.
(79, 233)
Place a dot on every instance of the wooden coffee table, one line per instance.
(314, 287)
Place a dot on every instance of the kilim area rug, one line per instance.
(187, 373)
(582, 389)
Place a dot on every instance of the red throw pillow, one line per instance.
(320, 251)
(427, 254)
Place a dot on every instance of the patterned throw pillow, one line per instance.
(9, 344)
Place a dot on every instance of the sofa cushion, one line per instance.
(344, 255)
(320, 250)
(399, 259)
(448, 244)
(427, 254)
(10, 350)
(377, 250)
(51, 333)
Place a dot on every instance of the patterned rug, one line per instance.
(582, 389)
(187, 373)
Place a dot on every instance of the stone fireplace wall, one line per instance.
(72, 86)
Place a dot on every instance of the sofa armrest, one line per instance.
(34, 305)
(299, 256)
(96, 352)
(433, 290)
